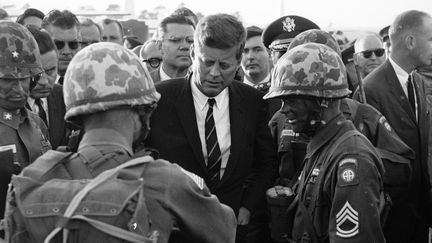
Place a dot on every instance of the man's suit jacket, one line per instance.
(384, 92)
(251, 167)
(56, 112)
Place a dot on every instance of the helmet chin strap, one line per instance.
(315, 118)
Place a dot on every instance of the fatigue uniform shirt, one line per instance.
(340, 191)
(22, 131)
(173, 195)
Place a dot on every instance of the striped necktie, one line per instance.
(214, 157)
(411, 95)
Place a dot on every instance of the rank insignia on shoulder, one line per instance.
(347, 221)
(347, 172)
(198, 180)
(7, 116)
(385, 123)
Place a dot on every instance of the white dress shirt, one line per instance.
(222, 122)
(403, 80)
(35, 108)
(163, 75)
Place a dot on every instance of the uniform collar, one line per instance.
(104, 136)
(325, 134)
(13, 118)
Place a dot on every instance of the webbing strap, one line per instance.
(73, 205)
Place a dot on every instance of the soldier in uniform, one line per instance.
(340, 185)
(23, 133)
(108, 91)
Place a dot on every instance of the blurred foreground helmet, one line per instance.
(105, 76)
(310, 69)
(19, 52)
(316, 36)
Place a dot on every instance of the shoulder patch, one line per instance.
(198, 180)
(347, 172)
(347, 221)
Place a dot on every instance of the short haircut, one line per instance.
(110, 21)
(405, 22)
(187, 13)
(148, 42)
(62, 19)
(173, 19)
(253, 31)
(43, 39)
(28, 13)
(221, 31)
(87, 22)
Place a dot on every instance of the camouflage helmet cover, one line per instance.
(316, 36)
(19, 52)
(310, 69)
(104, 76)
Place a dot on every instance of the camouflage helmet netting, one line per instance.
(104, 76)
(19, 52)
(316, 36)
(310, 69)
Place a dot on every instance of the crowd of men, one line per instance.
(284, 134)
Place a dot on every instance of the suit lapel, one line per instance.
(237, 128)
(186, 112)
(397, 91)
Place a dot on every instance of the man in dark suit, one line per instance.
(174, 41)
(398, 93)
(214, 126)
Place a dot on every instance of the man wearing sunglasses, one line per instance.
(63, 26)
(176, 35)
(368, 53)
(397, 91)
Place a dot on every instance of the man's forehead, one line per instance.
(254, 42)
(175, 29)
(215, 54)
(63, 34)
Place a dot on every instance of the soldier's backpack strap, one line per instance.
(106, 228)
(46, 163)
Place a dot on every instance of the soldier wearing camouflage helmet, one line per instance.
(340, 184)
(110, 94)
(23, 134)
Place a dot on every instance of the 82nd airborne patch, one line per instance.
(347, 172)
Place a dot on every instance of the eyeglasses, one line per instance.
(378, 53)
(154, 61)
(73, 45)
(86, 43)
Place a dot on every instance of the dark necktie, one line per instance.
(60, 81)
(214, 157)
(41, 112)
(411, 95)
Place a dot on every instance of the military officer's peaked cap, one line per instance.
(279, 33)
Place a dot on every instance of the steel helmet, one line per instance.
(310, 69)
(316, 36)
(19, 52)
(104, 76)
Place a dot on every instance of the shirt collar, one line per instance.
(325, 134)
(248, 82)
(201, 99)
(400, 73)
(13, 118)
(104, 136)
(163, 75)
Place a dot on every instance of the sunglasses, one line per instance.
(154, 62)
(73, 45)
(86, 43)
(378, 53)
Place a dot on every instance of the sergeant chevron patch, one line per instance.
(347, 222)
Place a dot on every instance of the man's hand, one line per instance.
(243, 216)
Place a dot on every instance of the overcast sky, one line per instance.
(364, 14)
